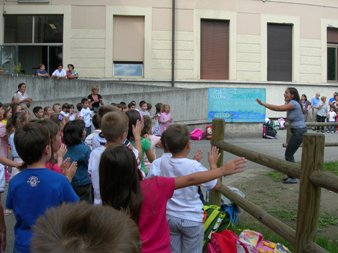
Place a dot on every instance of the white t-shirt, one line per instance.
(185, 203)
(332, 116)
(93, 171)
(86, 115)
(155, 166)
(58, 73)
(65, 114)
(89, 139)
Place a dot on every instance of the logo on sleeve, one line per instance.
(33, 181)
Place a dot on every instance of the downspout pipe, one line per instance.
(173, 19)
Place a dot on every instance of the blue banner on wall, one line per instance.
(236, 104)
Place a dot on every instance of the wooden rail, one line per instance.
(312, 179)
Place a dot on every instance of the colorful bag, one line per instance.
(215, 220)
(208, 132)
(196, 134)
(225, 241)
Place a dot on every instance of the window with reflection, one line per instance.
(18, 28)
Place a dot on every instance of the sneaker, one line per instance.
(290, 180)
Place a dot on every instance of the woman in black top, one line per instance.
(95, 99)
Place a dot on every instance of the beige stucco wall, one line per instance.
(88, 34)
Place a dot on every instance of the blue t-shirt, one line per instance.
(79, 153)
(296, 116)
(30, 194)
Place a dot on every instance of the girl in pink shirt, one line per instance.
(145, 201)
(165, 118)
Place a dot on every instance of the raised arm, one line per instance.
(231, 167)
(278, 108)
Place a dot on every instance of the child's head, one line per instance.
(65, 107)
(85, 103)
(158, 107)
(38, 112)
(48, 111)
(59, 119)
(323, 98)
(20, 119)
(74, 132)
(132, 105)
(332, 109)
(176, 138)
(143, 105)
(147, 126)
(8, 111)
(71, 108)
(165, 108)
(79, 107)
(16, 108)
(149, 106)
(164, 145)
(32, 142)
(57, 108)
(119, 180)
(114, 127)
(82, 227)
(103, 110)
(133, 117)
(54, 133)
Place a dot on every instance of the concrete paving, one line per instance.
(272, 147)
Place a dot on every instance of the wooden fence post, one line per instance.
(309, 194)
(218, 126)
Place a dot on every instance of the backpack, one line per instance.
(268, 131)
(215, 220)
(197, 134)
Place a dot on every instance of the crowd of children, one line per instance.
(54, 157)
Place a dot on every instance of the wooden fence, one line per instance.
(312, 179)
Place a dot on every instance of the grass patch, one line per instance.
(327, 220)
(330, 245)
(275, 175)
(332, 167)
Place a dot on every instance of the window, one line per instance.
(332, 45)
(280, 52)
(214, 49)
(46, 28)
(33, 39)
(18, 29)
(128, 45)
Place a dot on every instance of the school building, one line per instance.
(255, 41)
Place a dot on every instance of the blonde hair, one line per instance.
(164, 106)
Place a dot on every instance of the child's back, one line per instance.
(30, 193)
(185, 203)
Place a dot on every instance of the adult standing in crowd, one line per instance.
(21, 98)
(322, 113)
(295, 117)
(306, 105)
(59, 73)
(315, 101)
(72, 73)
(95, 99)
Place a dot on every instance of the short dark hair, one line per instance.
(79, 106)
(82, 227)
(73, 132)
(65, 106)
(176, 138)
(142, 102)
(131, 104)
(84, 100)
(36, 109)
(113, 125)
(30, 141)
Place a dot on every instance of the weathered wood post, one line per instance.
(218, 126)
(309, 194)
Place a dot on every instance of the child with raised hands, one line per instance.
(145, 200)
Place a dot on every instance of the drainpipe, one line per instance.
(173, 44)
